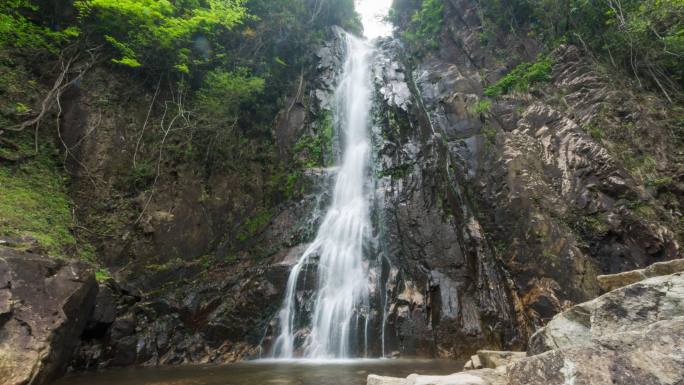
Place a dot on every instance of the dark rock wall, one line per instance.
(196, 278)
(497, 220)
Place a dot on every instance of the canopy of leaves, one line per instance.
(160, 34)
(17, 30)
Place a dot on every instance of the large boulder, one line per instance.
(653, 355)
(44, 306)
(630, 308)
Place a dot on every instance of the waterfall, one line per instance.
(341, 307)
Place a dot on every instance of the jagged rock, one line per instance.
(492, 359)
(44, 306)
(614, 281)
(630, 308)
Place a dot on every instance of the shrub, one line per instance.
(522, 77)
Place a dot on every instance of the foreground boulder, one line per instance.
(631, 336)
(44, 305)
(653, 356)
(631, 308)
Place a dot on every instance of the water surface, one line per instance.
(348, 372)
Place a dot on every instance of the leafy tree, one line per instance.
(17, 30)
(159, 34)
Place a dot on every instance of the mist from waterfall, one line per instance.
(341, 306)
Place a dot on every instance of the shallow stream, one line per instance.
(339, 372)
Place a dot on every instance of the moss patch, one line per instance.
(253, 225)
(34, 201)
(522, 77)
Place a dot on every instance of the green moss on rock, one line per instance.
(34, 201)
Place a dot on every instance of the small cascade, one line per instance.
(341, 310)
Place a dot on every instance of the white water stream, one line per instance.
(341, 303)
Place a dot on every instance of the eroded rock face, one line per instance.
(44, 306)
(445, 293)
(504, 217)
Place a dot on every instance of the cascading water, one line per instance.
(341, 306)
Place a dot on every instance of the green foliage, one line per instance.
(595, 131)
(293, 180)
(34, 199)
(586, 225)
(483, 106)
(140, 177)
(659, 182)
(308, 151)
(639, 165)
(158, 34)
(18, 31)
(253, 225)
(316, 150)
(645, 38)
(522, 77)
(397, 172)
(424, 24)
(103, 275)
(490, 135)
(223, 92)
(222, 100)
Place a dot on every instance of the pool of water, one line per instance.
(350, 372)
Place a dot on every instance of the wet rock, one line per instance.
(44, 306)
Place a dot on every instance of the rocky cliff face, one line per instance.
(496, 219)
(631, 335)
(200, 260)
(488, 222)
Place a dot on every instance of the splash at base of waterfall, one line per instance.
(341, 305)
